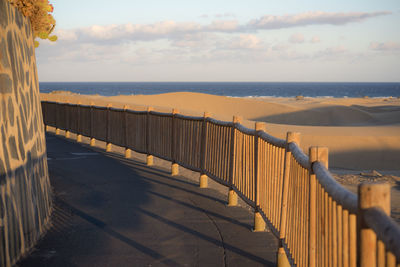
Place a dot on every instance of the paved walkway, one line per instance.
(109, 211)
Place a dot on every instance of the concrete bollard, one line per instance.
(78, 138)
(259, 223)
(108, 147)
(149, 160)
(282, 260)
(128, 153)
(67, 134)
(174, 169)
(232, 198)
(203, 181)
(92, 142)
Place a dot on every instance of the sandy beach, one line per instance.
(361, 133)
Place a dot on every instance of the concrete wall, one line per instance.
(25, 193)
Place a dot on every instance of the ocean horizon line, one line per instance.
(373, 82)
(232, 89)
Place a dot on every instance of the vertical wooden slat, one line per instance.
(352, 240)
(334, 234)
(345, 248)
(339, 254)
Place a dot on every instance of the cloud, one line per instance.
(171, 29)
(280, 47)
(315, 39)
(223, 26)
(245, 41)
(388, 46)
(269, 22)
(224, 40)
(225, 15)
(334, 51)
(296, 38)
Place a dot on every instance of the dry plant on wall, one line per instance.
(38, 11)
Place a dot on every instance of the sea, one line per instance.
(231, 89)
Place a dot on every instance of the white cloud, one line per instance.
(223, 26)
(246, 41)
(334, 51)
(224, 41)
(296, 38)
(280, 47)
(172, 30)
(315, 39)
(66, 35)
(311, 18)
(225, 15)
(388, 46)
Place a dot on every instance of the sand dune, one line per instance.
(360, 133)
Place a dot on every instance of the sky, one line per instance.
(223, 40)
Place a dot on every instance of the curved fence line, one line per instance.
(318, 222)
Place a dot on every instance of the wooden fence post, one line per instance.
(370, 195)
(108, 128)
(203, 177)
(45, 113)
(57, 119)
(149, 158)
(92, 139)
(174, 165)
(79, 134)
(282, 260)
(259, 223)
(315, 154)
(67, 120)
(232, 196)
(128, 152)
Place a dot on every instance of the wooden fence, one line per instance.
(318, 222)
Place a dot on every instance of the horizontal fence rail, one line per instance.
(318, 222)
